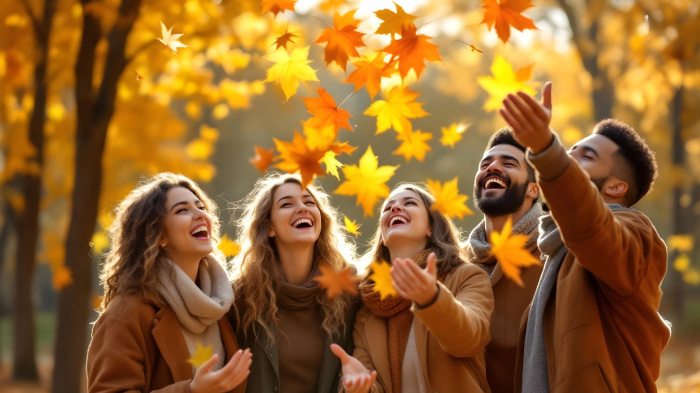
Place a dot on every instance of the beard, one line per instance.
(508, 203)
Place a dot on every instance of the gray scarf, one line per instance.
(480, 246)
(535, 374)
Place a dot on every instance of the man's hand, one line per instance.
(530, 118)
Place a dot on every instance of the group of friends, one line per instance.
(585, 320)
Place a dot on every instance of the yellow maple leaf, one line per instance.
(452, 134)
(97, 302)
(396, 110)
(510, 252)
(367, 181)
(332, 164)
(288, 69)
(503, 82)
(413, 145)
(448, 200)
(352, 226)
(62, 277)
(393, 22)
(682, 243)
(201, 355)
(169, 40)
(229, 247)
(383, 283)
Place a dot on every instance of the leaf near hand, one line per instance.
(201, 355)
(367, 180)
(503, 82)
(342, 39)
(335, 282)
(412, 50)
(448, 200)
(506, 13)
(383, 282)
(510, 252)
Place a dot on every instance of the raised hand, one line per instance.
(228, 377)
(530, 118)
(356, 377)
(413, 283)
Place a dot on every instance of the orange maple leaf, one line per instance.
(506, 13)
(297, 156)
(411, 50)
(509, 250)
(326, 112)
(369, 72)
(342, 40)
(285, 39)
(336, 282)
(393, 22)
(262, 159)
(277, 6)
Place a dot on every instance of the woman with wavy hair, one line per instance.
(432, 335)
(286, 233)
(166, 296)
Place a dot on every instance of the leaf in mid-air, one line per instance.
(369, 72)
(326, 112)
(412, 50)
(448, 200)
(383, 283)
(393, 22)
(297, 156)
(262, 159)
(503, 82)
(510, 252)
(413, 144)
(288, 69)
(506, 13)
(367, 181)
(336, 282)
(342, 39)
(277, 6)
(228, 247)
(452, 134)
(351, 226)
(396, 110)
(201, 355)
(285, 39)
(170, 40)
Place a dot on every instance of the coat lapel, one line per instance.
(421, 336)
(228, 338)
(167, 334)
(329, 365)
(271, 351)
(375, 331)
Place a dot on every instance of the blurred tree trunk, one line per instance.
(94, 111)
(7, 225)
(24, 351)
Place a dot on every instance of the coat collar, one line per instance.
(167, 334)
(376, 333)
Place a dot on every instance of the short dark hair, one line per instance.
(635, 154)
(504, 136)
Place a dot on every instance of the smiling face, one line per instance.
(595, 155)
(186, 226)
(501, 184)
(404, 220)
(294, 217)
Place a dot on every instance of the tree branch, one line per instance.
(32, 17)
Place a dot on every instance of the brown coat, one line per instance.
(450, 335)
(137, 346)
(601, 326)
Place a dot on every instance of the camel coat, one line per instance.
(137, 346)
(450, 335)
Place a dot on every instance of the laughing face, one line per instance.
(404, 219)
(186, 226)
(295, 217)
(501, 183)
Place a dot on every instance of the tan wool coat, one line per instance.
(138, 346)
(450, 335)
(601, 326)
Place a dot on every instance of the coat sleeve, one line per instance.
(361, 352)
(460, 319)
(614, 247)
(117, 359)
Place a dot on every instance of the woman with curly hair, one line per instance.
(166, 296)
(432, 336)
(286, 233)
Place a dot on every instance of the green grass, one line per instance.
(45, 332)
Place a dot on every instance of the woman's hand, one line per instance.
(231, 375)
(356, 377)
(413, 283)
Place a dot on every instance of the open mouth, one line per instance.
(200, 232)
(397, 220)
(303, 223)
(494, 183)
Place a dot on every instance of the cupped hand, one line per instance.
(356, 377)
(228, 377)
(412, 282)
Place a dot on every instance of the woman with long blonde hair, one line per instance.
(166, 297)
(431, 336)
(287, 232)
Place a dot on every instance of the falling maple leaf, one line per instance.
(448, 200)
(332, 164)
(367, 181)
(326, 111)
(383, 282)
(138, 76)
(297, 156)
(682, 243)
(201, 355)
(452, 134)
(503, 82)
(393, 22)
(228, 247)
(342, 39)
(351, 226)
(336, 282)
(369, 72)
(262, 159)
(506, 13)
(284, 39)
(411, 50)
(510, 252)
(277, 6)
(396, 110)
(328, 5)
(319, 136)
(289, 70)
(413, 145)
(170, 40)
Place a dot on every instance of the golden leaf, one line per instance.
(396, 110)
(413, 145)
(169, 40)
(201, 355)
(383, 282)
(228, 247)
(336, 282)
(351, 226)
(288, 69)
(448, 200)
(452, 134)
(503, 82)
(510, 252)
(367, 181)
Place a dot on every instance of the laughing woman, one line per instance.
(166, 295)
(431, 337)
(286, 232)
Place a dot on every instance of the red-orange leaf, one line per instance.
(342, 40)
(277, 6)
(262, 159)
(326, 112)
(285, 39)
(336, 282)
(506, 13)
(369, 72)
(411, 50)
(296, 156)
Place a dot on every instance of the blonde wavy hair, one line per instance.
(257, 272)
(134, 260)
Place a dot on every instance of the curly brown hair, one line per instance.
(257, 272)
(134, 259)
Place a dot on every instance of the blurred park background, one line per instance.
(91, 102)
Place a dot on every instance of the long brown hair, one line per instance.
(257, 272)
(134, 259)
(444, 236)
